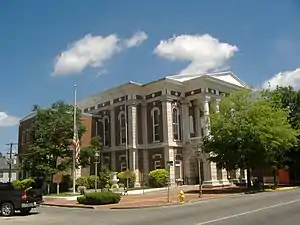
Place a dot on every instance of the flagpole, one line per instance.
(74, 149)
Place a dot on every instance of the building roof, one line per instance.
(226, 76)
(32, 115)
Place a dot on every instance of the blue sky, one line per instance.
(47, 46)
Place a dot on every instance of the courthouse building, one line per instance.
(165, 119)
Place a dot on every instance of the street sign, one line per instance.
(57, 178)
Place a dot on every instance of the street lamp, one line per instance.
(198, 151)
(97, 157)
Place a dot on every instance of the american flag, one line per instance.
(76, 143)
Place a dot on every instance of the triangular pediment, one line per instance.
(227, 77)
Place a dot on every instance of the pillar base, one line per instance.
(137, 184)
(211, 183)
(215, 183)
(225, 182)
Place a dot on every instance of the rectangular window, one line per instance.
(23, 137)
(122, 129)
(156, 127)
(28, 137)
(1, 175)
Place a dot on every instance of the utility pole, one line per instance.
(11, 144)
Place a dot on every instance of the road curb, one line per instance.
(69, 206)
(146, 206)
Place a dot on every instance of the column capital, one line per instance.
(207, 98)
(218, 100)
(184, 102)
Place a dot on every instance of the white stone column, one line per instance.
(145, 165)
(167, 121)
(211, 167)
(113, 161)
(169, 156)
(132, 137)
(132, 126)
(134, 156)
(112, 128)
(206, 115)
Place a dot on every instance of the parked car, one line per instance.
(12, 199)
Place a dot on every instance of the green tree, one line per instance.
(52, 133)
(289, 99)
(248, 132)
(87, 154)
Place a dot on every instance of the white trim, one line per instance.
(157, 155)
(122, 156)
(153, 124)
(157, 164)
(177, 124)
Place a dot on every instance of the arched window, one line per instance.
(122, 126)
(155, 114)
(105, 122)
(176, 123)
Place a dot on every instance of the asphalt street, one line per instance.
(273, 208)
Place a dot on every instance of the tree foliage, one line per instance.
(52, 133)
(248, 132)
(87, 154)
(289, 99)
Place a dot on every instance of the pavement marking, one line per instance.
(247, 212)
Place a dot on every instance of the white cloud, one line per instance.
(7, 120)
(204, 52)
(286, 78)
(137, 39)
(93, 51)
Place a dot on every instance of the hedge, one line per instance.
(99, 198)
(158, 178)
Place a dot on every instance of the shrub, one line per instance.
(82, 181)
(17, 184)
(104, 178)
(91, 181)
(26, 183)
(99, 198)
(23, 184)
(122, 176)
(121, 185)
(158, 178)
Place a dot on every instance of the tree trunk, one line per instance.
(249, 177)
(275, 177)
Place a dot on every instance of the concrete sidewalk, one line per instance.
(148, 199)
